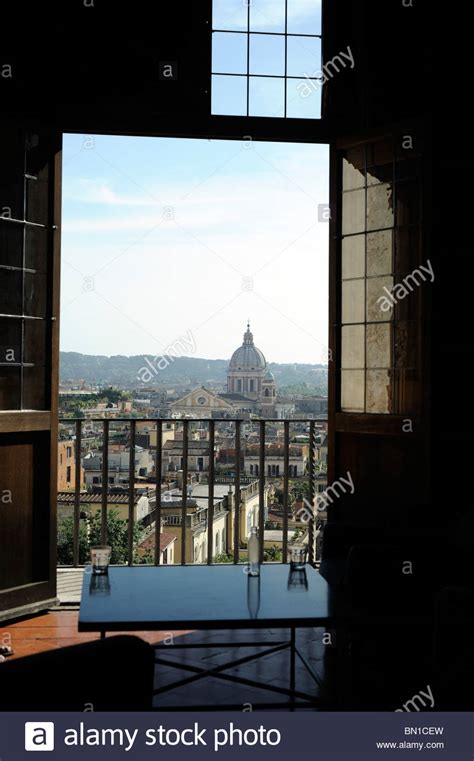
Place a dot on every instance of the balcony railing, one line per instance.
(86, 432)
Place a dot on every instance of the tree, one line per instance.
(90, 535)
(223, 557)
(273, 553)
(66, 545)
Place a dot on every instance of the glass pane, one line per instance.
(37, 201)
(379, 206)
(10, 341)
(353, 212)
(353, 256)
(408, 168)
(380, 152)
(352, 390)
(36, 248)
(352, 353)
(303, 99)
(409, 293)
(379, 253)
(379, 350)
(304, 16)
(408, 202)
(229, 95)
(11, 291)
(266, 15)
(406, 344)
(378, 391)
(11, 244)
(406, 390)
(34, 385)
(267, 54)
(229, 53)
(12, 163)
(35, 295)
(353, 301)
(379, 299)
(10, 386)
(229, 14)
(266, 96)
(304, 57)
(407, 250)
(35, 342)
(38, 152)
(380, 162)
(353, 169)
(379, 174)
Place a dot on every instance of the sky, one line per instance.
(166, 238)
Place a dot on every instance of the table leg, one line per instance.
(292, 663)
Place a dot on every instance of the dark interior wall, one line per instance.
(391, 43)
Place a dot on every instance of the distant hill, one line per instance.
(123, 371)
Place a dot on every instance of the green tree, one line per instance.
(223, 557)
(90, 535)
(272, 553)
(66, 544)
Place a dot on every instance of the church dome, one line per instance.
(247, 356)
(269, 377)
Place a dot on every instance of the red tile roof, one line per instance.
(165, 541)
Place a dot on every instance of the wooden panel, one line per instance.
(24, 421)
(16, 524)
(28, 439)
(27, 521)
(389, 425)
(388, 475)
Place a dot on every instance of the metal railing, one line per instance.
(237, 480)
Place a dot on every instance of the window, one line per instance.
(266, 58)
(165, 557)
(382, 278)
(251, 385)
(239, 385)
(68, 474)
(69, 452)
(25, 229)
(96, 479)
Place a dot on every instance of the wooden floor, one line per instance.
(55, 630)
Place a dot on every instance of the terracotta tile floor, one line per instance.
(58, 629)
(53, 630)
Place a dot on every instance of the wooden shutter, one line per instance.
(30, 167)
(378, 395)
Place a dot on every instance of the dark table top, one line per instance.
(203, 597)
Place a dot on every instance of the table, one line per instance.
(201, 597)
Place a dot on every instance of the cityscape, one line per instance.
(275, 478)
